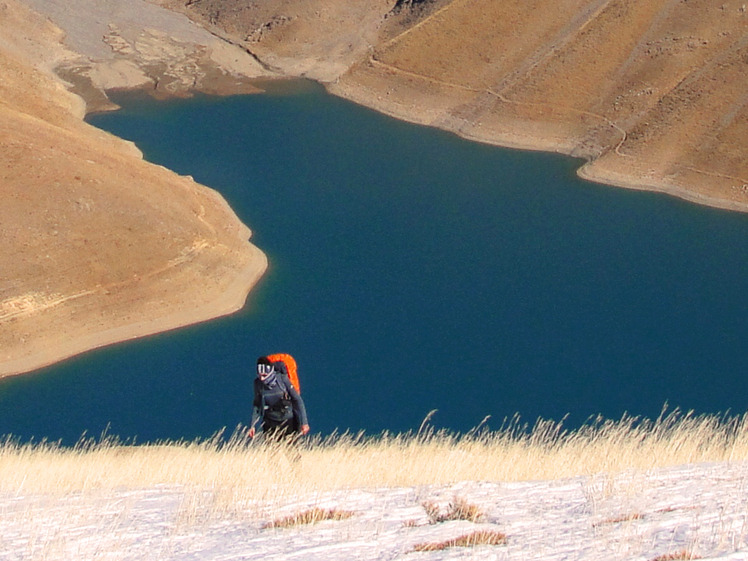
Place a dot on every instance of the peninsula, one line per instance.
(101, 246)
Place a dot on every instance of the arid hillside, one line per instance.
(653, 93)
(98, 245)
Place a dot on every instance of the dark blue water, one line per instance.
(410, 271)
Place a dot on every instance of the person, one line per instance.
(276, 402)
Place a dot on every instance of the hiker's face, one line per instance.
(264, 370)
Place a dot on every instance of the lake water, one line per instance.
(411, 270)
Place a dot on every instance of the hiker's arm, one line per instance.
(299, 409)
(255, 420)
(256, 411)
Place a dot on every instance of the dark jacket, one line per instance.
(277, 405)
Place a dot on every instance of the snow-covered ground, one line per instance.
(702, 510)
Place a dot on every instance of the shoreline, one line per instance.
(514, 139)
(510, 141)
(107, 247)
(605, 177)
(689, 196)
(232, 300)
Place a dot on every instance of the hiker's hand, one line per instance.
(304, 429)
(251, 432)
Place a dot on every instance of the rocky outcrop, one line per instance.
(411, 5)
(137, 44)
(315, 39)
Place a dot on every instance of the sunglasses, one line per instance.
(264, 370)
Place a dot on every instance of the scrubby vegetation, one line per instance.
(458, 509)
(309, 516)
(238, 468)
(678, 556)
(481, 537)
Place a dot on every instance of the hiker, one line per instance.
(277, 402)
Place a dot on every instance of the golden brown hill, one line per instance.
(653, 93)
(98, 245)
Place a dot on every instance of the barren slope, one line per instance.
(318, 39)
(98, 246)
(653, 92)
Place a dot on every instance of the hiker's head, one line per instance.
(264, 367)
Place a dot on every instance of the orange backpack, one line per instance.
(290, 363)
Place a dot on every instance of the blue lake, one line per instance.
(411, 270)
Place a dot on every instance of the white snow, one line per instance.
(701, 509)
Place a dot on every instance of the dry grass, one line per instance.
(235, 470)
(459, 509)
(677, 556)
(480, 537)
(619, 519)
(311, 516)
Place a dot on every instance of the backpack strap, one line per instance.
(281, 371)
(285, 382)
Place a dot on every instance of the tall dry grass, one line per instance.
(237, 469)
